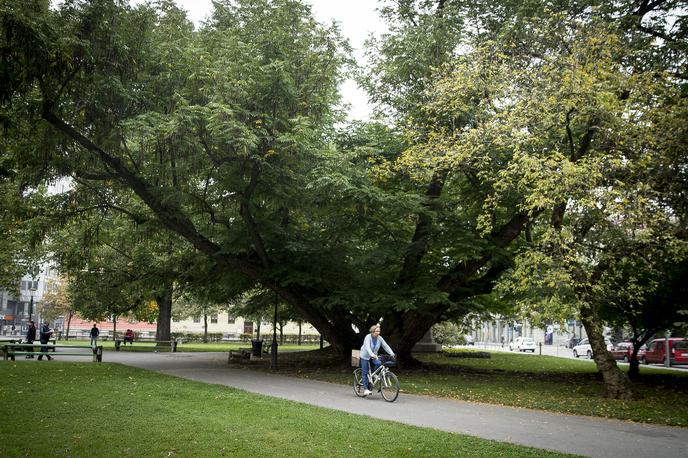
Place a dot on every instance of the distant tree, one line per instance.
(57, 303)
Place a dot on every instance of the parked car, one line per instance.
(678, 351)
(583, 348)
(572, 342)
(522, 344)
(624, 350)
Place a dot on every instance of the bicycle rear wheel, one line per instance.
(389, 386)
(358, 382)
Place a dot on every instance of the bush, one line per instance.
(447, 333)
(455, 353)
(197, 336)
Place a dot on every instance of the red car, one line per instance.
(678, 351)
(623, 351)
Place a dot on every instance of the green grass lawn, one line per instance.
(536, 382)
(66, 409)
(539, 382)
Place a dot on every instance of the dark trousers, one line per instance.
(44, 350)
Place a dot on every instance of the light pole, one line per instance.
(33, 289)
(273, 348)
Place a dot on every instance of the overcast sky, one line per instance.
(357, 19)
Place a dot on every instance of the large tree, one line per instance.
(225, 135)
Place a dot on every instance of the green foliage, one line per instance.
(540, 133)
(448, 333)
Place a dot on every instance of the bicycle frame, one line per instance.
(381, 379)
(375, 376)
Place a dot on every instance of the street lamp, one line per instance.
(273, 348)
(32, 288)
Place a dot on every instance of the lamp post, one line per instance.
(32, 288)
(273, 348)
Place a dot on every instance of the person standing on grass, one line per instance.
(46, 332)
(30, 337)
(371, 345)
(95, 332)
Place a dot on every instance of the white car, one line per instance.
(522, 344)
(583, 348)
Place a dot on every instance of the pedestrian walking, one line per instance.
(46, 332)
(95, 332)
(30, 337)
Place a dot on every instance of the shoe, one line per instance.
(367, 393)
(50, 358)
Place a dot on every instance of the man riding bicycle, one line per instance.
(371, 345)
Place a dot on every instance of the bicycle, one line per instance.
(382, 378)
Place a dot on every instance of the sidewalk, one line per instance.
(565, 433)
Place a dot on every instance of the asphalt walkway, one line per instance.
(580, 435)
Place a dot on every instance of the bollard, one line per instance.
(540, 344)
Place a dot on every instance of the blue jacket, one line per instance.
(368, 350)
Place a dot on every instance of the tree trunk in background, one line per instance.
(205, 328)
(634, 366)
(163, 328)
(114, 326)
(69, 323)
(617, 383)
(299, 339)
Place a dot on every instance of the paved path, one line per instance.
(566, 433)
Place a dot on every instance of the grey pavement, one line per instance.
(575, 434)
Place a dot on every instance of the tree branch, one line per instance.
(171, 216)
(251, 226)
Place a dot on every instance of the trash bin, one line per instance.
(256, 348)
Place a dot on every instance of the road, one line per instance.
(559, 351)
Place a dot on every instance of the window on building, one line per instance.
(230, 319)
(213, 319)
(197, 319)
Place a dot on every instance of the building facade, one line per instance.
(16, 311)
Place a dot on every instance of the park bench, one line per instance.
(10, 340)
(171, 344)
(18, 340)
(239, 353)
(10, 351)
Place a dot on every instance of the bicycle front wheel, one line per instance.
(358, 382)
(389, 386)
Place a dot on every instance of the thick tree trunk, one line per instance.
(205, 328)
(404, 332)
(617, 383)
(163, 329)
(634, 366)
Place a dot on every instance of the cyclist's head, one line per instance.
(375, 327)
